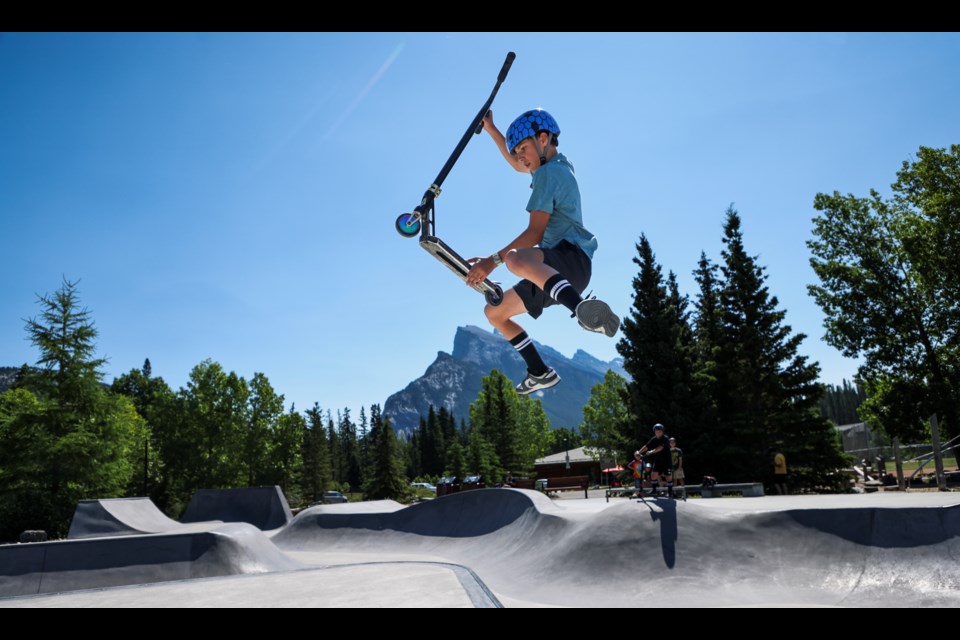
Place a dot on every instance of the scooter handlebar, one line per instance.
(506, 66)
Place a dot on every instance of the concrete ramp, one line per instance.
(119, 517)
(95, 563)
(264, 507)
(536, 551)
(460, 515)
(877, 551)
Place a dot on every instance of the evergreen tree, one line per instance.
(349, 450)
(658, 356)
(840, 403)
(63, 437)
(336, 463)
(414, 456)
(432, 448)
(375, 423)
(317, 475)
(387, 481)
(363, 442)
(65, 336)
(457, 461)
(767, 394)
(482, 459)
(516, 427)
(493, 417)
(403, 450)
(708, 385)
(448, 426)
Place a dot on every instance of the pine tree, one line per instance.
(387, 481)
(376, 421)
(840, 403)
(431, 443)
(448, 426)
(317, 476)
(414, 457)
(767, 394)
(482, 459)
(64, 438)
(349, 450)
(336, 465)
(457, 461)
(516, 427)
(656, 347)
(362, 443)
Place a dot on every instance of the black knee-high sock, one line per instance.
(524, 346)
(560, 289)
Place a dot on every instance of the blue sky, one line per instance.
(233, 196)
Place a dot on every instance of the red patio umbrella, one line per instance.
(613, 470)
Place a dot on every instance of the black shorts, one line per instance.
(571, 262)
(663, 467)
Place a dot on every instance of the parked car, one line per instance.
(424, 485)
(333, 497)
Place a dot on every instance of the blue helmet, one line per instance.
(528, 125)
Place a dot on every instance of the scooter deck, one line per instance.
(453, 261)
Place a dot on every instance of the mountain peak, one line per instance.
(453, 381)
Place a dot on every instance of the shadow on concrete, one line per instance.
(886, 528)
(669, 531)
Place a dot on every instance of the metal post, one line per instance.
(898, 458)
(937, 456)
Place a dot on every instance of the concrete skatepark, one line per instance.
(500, 547)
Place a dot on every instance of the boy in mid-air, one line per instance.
(553, 254)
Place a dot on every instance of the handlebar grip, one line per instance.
(506, 66)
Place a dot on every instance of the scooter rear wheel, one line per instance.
(408, 225)
(494, 298)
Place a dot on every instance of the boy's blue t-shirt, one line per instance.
(556, 192)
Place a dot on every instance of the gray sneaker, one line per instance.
(595, 315)
(535, 383)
